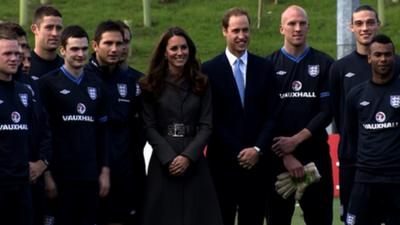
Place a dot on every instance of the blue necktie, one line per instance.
(237, 73)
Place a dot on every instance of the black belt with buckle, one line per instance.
(179, 130)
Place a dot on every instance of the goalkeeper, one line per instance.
(303, 111)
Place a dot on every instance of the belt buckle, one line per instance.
(176, 130)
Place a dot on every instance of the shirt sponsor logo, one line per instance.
(364, 103)
(92, 92)
(81, 108)
(24, 99)
(13, 127)
(379, 126)
(349, 75)
(122, 90)
(281, 73)
(380, 117)
(313, 70)
(15, 117)
(296, 85)
(65, 91)
(83, 118)
(395, 101)
(297, 95)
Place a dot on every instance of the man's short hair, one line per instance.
(15, 27)
(365, 8)
(233, 12)
(382, 39)
(73, 31)
(45, 10)
(6, 33)
(107, 26)
(125, 27)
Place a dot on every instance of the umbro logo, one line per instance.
(65, 91)
(349, 75)
(281, 72)
(364, 103)
(34, 77)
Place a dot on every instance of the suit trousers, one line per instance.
(241, 194)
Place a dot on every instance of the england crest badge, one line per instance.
(313, 70)
(350, 219)
(395, 101)
(122, 90)
(138, 90)
(92, 92)
(24, 99)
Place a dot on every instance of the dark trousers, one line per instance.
(346, 181)
(122, 204)
(38, 201)
(243, 193)
(76, 202)
(16, 205)
(372, 203)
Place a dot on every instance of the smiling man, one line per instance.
(16, 113)
(372, 123)
(345, 74)
(47, 26)
(76, 104)
(303, 112)
(242, 86)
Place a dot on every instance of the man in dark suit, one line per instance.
(242, 90)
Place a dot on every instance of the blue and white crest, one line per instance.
(92, 92)
(24, 99)
(395, 101)
(350, 219)
(122, 90)
(313, 70)
(138, 90)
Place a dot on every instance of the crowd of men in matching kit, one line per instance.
(73, 127)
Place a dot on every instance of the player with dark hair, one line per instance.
(109, 62)
(76, 104)
(16, 115)
(46, 26)
(372, 123)
(345, 74)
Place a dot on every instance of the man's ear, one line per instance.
(94, 45)
(34, 28)
(62, 51)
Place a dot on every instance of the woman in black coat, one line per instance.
(177, 117)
